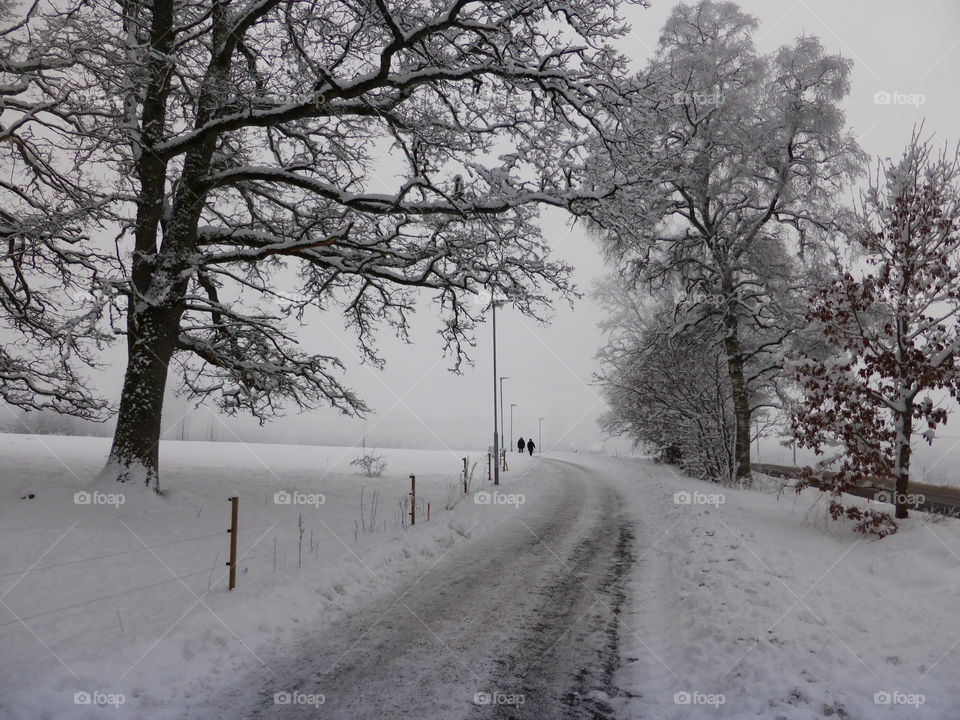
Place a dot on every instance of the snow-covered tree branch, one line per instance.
(51, 282)
(668, 391)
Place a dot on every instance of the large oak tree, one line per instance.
(366, 148)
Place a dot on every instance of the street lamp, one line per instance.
(496, 435)
(540, 437)
(512, 406)
(505, 377)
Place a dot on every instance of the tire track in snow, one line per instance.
(566, 661)
(531, 608)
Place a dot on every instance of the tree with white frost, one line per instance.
(367, 149)
(667, 391)
(751, 153)
(892, 320)
(49, 329)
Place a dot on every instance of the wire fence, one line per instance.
(269, 533)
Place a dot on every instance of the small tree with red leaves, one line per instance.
(890, 319)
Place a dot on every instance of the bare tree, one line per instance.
(667, 391)
(751, 156)
(48, 274)
(892, 327)
(328, 155)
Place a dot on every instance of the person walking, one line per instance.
(530, 446)
(520, 445)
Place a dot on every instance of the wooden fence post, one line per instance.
(465, 491)
(428, 512)
(234, 518)
(413, 499)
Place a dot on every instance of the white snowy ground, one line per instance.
(783, 613)
(72, 574)
(751, 608)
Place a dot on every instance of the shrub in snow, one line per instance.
(372, 464)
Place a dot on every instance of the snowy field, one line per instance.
(746, 604)
(131, 598)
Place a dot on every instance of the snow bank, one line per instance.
(753, 604)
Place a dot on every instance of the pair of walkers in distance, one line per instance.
(528, 445)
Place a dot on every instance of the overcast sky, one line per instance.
(908, 48)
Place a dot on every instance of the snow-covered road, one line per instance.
(589, 587)
(521, 622)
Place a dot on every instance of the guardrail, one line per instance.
(940, 499)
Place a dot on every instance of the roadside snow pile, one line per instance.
(120, 598)
(749, 604)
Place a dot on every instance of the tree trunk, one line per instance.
(738, 386)
(741, 410)
(151, 341)
(905, 432)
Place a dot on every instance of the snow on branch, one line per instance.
(53, 286)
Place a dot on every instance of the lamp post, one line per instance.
(505, 377)
(540, 437)
(512, 406)
(496, 435)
